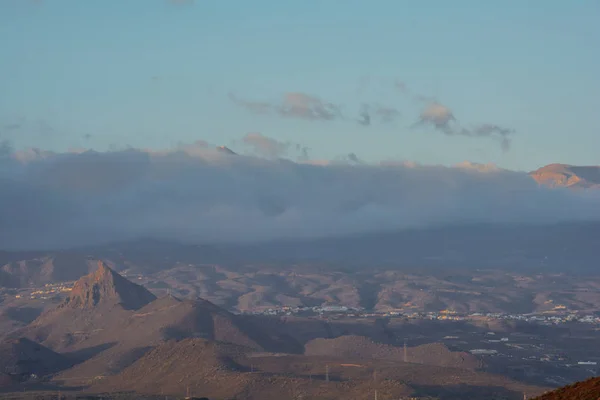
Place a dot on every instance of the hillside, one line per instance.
(586, 390)
(221, 371)
(359, 347)
(562, 175)
(25, 357)
(174, 365)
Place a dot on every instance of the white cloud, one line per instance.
(197, 193)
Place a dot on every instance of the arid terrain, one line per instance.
(216, 274)
(153, 317)
(112, 335)
(314, 331)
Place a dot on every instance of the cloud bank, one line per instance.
(200, 194)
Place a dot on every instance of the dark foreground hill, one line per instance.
(23, 357)
(586, 390)
(222, 371)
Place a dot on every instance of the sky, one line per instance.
(337, 118)
(513, 83)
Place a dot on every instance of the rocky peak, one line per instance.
(105, 286)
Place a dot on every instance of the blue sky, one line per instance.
(154, 73)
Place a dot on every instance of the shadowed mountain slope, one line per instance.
(24, 357)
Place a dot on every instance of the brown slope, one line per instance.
(585, 390)
(562, 175)
(360, 347)
(221, 371)
(172, 318)
(25, 357)
(212, 365)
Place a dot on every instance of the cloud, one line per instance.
(6, 148)
(199, 194)
(400, 86)
(365, 116)
(15, 126)
(442, 119)
(301, 105)
(256, 107)
(369, 112)
(439, 116)
(264, 146)
(387, 114)
(293, 105)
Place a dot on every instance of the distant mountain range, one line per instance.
(557, 247)
(562, 175)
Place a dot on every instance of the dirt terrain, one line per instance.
(111, 335)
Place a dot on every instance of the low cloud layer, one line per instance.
(200, 194)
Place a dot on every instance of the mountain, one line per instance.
(24, 357)
(108, 322)
(106, 287)
(563, 175)
(586, 390)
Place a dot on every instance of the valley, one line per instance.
(424, 333)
